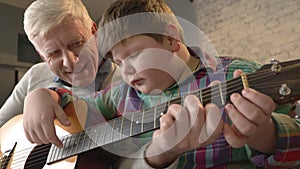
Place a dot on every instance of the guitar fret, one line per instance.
(83, 142)
(113, 129)
(108, 132)
(65, 143)
(137, 123)
(126, 129)
(88, 139)
(97, 134)
(93, 140)
(117, 128)
(154, 118)
(101, 134)
(142, 122)
(148, 122)
(52, 153)
(221, 94)
(76, 142)
(131, 121)
(200, 96)
(121, 129)
(60, 152)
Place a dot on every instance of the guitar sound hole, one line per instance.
(38, 157)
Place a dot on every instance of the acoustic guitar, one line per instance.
(281, 81)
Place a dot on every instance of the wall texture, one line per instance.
(258, 29)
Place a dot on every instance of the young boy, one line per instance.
(157, 67)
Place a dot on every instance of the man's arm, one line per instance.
(14, 104)
(39, 75)
(41, 108)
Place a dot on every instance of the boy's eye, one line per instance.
(119, 63)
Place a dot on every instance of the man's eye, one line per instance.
(76, 44)
(53, 54)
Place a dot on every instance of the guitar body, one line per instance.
(12, 132)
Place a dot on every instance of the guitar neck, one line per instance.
(133, 124)
(278, 84)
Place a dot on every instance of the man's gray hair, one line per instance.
(43, 15)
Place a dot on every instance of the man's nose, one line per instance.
(69, 59)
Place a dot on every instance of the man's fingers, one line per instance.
(61, 116)
(50, 135)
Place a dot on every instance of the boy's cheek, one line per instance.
(159, 59)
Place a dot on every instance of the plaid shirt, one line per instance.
(120, 99)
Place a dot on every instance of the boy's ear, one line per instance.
(173, 37)
(172, 31)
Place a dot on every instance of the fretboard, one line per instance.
(135, 123)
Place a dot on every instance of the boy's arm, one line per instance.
(40, 109)
(181, 130)
(287, 151)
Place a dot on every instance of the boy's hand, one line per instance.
(40, 110)
(250, 113)
(183, 129)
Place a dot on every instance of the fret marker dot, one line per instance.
(161, 114)
(137, 122)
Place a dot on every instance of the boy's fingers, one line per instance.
(237, 73)
(232, 136)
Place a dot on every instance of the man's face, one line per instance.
(71, 52)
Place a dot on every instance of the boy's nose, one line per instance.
(128, 68)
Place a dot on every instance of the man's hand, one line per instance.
(40, 110)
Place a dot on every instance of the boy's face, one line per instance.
(71, 52)
(146, 64)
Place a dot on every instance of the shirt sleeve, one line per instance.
(139, 160)
(288, 144)
(14, 104)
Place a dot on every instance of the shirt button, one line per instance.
(168, 92)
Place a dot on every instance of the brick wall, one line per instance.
(258, 29)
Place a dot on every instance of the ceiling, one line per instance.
(95, 7)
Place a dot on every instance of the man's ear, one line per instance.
(94, 28)
(42, 57)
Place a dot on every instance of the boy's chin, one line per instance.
(151, 92)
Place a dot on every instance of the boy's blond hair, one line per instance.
(125, 18)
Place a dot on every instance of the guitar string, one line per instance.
(80, 138)
(257, 75)
(180, 99)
